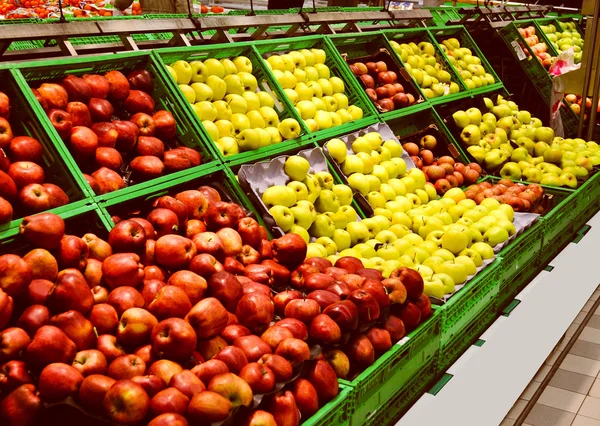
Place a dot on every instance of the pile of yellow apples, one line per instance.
(225, 96)
(468, 65)
(318, 96)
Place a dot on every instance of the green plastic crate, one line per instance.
(412, 127)
(388, 413)
(520, 258)
(468, 312)
(284, 11)
(188, 131)
(418, 35)
(462, 35)
(560, 225)
(266, 83)
(526, 58)
(58, 169)
(588, 194)
(443, 14)
(335, 412)
(356, 96)
(213, 175)
(395, 370)
(374, 47)
(81, 218)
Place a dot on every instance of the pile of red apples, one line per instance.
(382, 86)
(111, 127)
(189, 315)
(443, 172)
(22, 176)
(521, 197)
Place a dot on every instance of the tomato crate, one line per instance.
(561, 224)
(394, 372)
(140, 202)
(189, 133)
(468, 312)
(58, 170)
(266, 83)
(374, 47)
(354, 93)
(460, 33)
(416, 36)
(335, 412)
(427, 122)
(402, 398)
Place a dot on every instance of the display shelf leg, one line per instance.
(128, 42)
(66, 47)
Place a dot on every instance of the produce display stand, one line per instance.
(380, 394)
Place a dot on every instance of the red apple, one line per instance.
(166, 126)
(70, 292)
(260, 377)
(122, 269)
(294, 350)
(187, 383)
(306, 397)
(208, 317)
(32, 318)
(21, 407)
(14, 374)
(207, 370)
(232, 387)
(55, 95)
(174, 251)
(209, 407)
(411, 280)
(127, 135)
(126, 367)
(256, 311)
(13, 341)
(92, 391)
(101, 112)
(90, 362)
(108, 180)
(165, 369)
(253, 347)
(173, 338)
(139, 102)
(118, 86)
(344, 313)
(152, 384)
(123, 298)
(77, 328)
(297, 327)
(24, 148)
(233, 357)
(170, 302)
(141, 79)
(108, 345)
(42, 264)
(126, 402)
(323, 297)
(325, 330)
(282, 406)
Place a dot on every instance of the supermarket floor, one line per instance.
(570, 396)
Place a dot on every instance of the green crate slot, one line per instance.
(401, 396)
(531, 65)
(356, 96)
(418, 35)
(266, 83)
(335, 412)
(588, 194)
(462, 35)
(413, 127)
(188, 131)
(26, 45)
(561, 224)
(218, 176)
(443, 14)
(395, 370)
(375, 47)
(467, 336)
(522, 254)
(466, 305)
(81, 218)
(57, 169)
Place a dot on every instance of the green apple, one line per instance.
(511, 170)
(252, 101)
(270, 116)
(275, 135)
(303, 215)
(225, 128)
(315, 250)
(337, 149)
(183, 70)
(188, 93)
(356, 112)
(433, 286)
(300, 189)
(372, 226)
(344, 194)
(249, 139)
(256, 120)
(447, 280)
(455, 270)
(495, 235)
(352, 164)
(461, 119)
(455, 241)
(359, 233)
(339, 218)
(359, 182)
(383, 222)
(205, 110)
(279, 195)
(323, 226)
(223, 110)
(296, 167)
(325, 180)
(283, 216)
(329, 245)
(376, 199)
(350, 213)
(342, 239)
(327, 202)
(368, 162)
(388, 252)
(265, 99)
(289, 128)
(237, 103)
(228, 146)
(172, 73)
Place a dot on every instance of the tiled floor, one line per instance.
(572, 398)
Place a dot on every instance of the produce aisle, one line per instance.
(330, 218)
